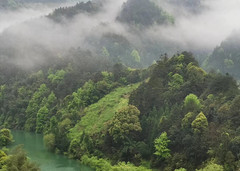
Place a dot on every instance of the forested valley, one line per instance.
(105, 85)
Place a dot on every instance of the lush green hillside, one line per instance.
(96, 115)
(180, 117)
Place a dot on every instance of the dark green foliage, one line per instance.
(69, 12)
(179, 117)
(143, 13)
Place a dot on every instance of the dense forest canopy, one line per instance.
(225, 58)
(114, 84)
(143, 13)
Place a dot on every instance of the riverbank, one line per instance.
(47, 161)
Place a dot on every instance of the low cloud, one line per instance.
(192, 31)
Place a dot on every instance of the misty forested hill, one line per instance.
(114, 84)
(192, 5)
(226, 57)
(9, 4)
(143, 13)
(69, 12)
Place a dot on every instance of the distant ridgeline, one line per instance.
(143, 13)
(9, 4)
(226, 57)
(194, 6)
(69, 12)
(44, 1)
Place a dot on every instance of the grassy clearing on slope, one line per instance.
(99, 113)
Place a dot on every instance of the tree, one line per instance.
(18, 161)
(34, 106)
(176, 82)
(49, 141)
(136, 56)
(161, 146)
(125, 123)
(200, 124)
(42, 116)
(192, 103)
(105, 52)
(187, 120)
(5, 137)
(212, 167)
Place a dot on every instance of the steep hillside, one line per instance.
(97, 115)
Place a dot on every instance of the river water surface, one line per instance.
(33, 144)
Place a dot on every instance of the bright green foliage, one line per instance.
(44, 113)
(98, 164)
(181, 169)
(3, 157)
(161, 146)
(51, 99)
(49, 141)
(17, 161)
(200, 124)
(84, 96)
(57, 77)
(176, 82)
(41, 118)
(192, 103)
(96, 115)
(5, 137)
(135, 55)
(195, 73)
(187, 120)
(124, 123)
(212, 167)
(65, 125)
(105, 165)
(122, 166)
(180, 58)
(34, 106)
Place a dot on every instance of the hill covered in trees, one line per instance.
(9, 4)
(172, 115)
(143, 13)
(225, 58)
(69, 12)
(79, 77)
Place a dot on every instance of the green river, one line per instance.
(33, 144)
